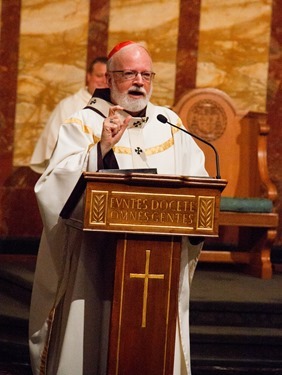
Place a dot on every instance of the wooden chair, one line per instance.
(248, 222)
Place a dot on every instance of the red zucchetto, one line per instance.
(119, 46)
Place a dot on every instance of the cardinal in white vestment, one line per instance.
(71, 300)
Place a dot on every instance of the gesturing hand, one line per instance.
(113, 128)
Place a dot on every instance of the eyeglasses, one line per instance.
(132, 74)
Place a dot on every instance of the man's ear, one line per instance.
(87, 77)
(109, 80)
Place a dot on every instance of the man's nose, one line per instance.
(138, 79)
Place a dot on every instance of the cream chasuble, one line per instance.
(72, 291)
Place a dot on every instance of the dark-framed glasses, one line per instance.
(132, 74)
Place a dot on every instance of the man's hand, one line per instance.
(113, 128)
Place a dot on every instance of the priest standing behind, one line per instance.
(95, 78)
(73, 285)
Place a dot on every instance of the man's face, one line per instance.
(129, 90)
(97, 79)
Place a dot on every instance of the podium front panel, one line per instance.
(144, 308)
(149, 214)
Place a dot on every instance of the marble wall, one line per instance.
(53, 43)
(156, 27)
(52, 62)
(233, 50)
(45, 47)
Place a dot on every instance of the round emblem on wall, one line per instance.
(207, 119)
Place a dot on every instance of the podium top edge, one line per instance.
(149, 178)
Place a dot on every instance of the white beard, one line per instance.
(128, 103)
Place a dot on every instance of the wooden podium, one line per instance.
(149, 213)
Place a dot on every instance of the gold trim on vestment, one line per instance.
(148, 151)
(44, 354)
(73, 120)
(160, 148)
(126, 150)
(96, 139)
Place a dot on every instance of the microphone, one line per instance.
(164, 120)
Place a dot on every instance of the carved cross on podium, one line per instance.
(146, 276)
